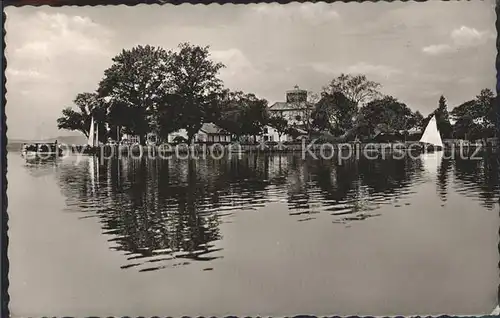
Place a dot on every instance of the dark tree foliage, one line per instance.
(135, 86)
(243, 114)
(356, 88)
(475, 119)
(386, 115)
(195, 87)
(88, 104)
(335, 113)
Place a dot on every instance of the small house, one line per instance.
(180, 135)
(130, 139)
(272, 135)
(211, 133)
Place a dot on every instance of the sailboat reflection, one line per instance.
(431, 163)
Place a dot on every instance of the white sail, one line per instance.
(91, 140)
(431, 134)
(97, 135)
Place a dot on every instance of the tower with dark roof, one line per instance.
(296, 95)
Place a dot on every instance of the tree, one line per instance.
(243, 114)
(280, 124)
(196, 89)
(386, 115)
(475, 118)
(355, 87)
(415, 121)
(467, 109)
(89, 104)
(335, 112)
(465, 128)
(136, 86)
(485, 109)
(443, 118)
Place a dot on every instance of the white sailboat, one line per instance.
(431, 135)
(91, 139)
(97, 135)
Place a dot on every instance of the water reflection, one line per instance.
(478, 179)
(168, 213)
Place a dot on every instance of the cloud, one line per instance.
(60, 49)
(59, 34)
(313, 13)
(61, 55)
(232, 58)
(369, 69)
(463, 37)
(437, 49)
(239, 71)
(358, 68)
(13, 73)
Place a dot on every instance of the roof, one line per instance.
(298, 130)
(211, 129)
(279, 106)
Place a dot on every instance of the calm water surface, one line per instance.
(268, 235)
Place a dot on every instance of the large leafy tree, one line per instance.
(135, 87)
(335, 112)
(466, 128)
(243, 114)
(486, 111)
(356, 88)
(88, 105)
(385, 115)
(195, 87)
(475, 118)
(443, 118)
(416, 120)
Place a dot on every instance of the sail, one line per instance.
(91, 140)
(431, 134)
(97, 135)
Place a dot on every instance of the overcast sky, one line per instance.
(417, 51)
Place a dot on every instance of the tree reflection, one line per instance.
(478, 178)
(442, 179)
(164, 213)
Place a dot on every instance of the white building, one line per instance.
(208, 132)
(151, 139)
(271, 134)
(212, 133)
(296, 109)
(179, 134)
(130, 139)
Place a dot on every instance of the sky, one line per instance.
(417, 51)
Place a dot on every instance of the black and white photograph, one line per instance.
(252, 160)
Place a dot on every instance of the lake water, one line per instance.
(257, 235)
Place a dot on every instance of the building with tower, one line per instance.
(296, 109)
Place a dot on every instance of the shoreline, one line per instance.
(270, 148)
